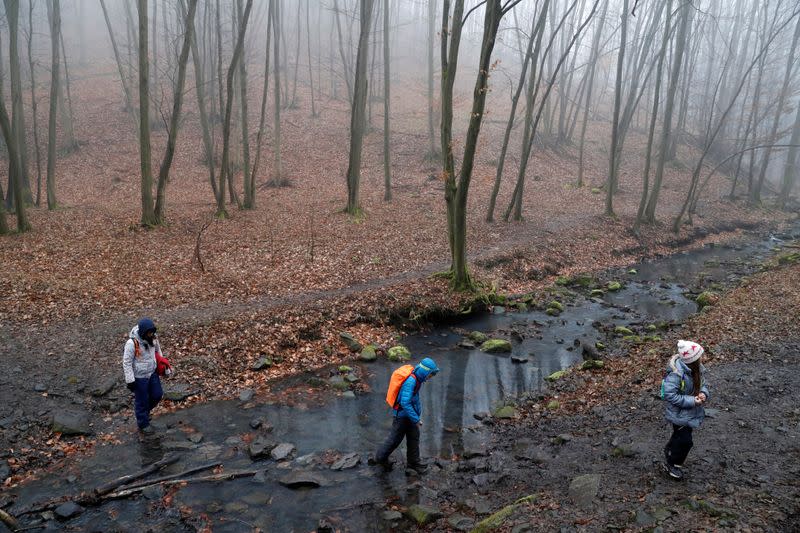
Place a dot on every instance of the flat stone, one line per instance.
(423, 515)
(644, 519)
(40, 387)
(391, 516)
(347, 461)
(178, 393)
(303, 479)
(529, 451)
(467, 344)
(246, 395)
(460, 522)
(178, 446)
(583, 489)
(352, 344)
(262, 364)
(67, 510)
(711, 412)
(519, 359)
(498, 310)
(71, 423)
(480, 505)
(282, 451)
(339, 383)
(260, 448)
(104, 387)
(256, 423)
(196, 437)
(349, 394)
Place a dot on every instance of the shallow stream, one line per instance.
(471, 382)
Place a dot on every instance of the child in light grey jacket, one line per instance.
(684, 391)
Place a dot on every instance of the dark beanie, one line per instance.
(145, 325)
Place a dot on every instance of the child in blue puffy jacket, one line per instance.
(685, 391)
(407, 418)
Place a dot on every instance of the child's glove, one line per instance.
(168, 372)
(131, 386)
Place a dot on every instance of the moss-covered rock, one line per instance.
(497, 519)
(563, 281)
(597, 293)
(555, 304)
(553, 405)
(478, 337)
(622, 331)
(600, 346)
(496, 346)
(633, 272)
(788, 259)
(593, 364)
(553, 311)
(344, 369)
(555, 376)
(597, 190)
(507, 411)
(706, 298)
(614, 286)
(423, 515)
(368, 354)
(635, 339)
(399, 353)
(522, 307)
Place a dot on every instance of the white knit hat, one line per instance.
(689, 351)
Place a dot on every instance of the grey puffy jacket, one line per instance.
(142, 366)
(680, 407)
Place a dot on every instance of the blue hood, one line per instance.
(145, 325)
(426, 368)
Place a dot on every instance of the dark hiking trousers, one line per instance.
(147, 394)
(679, 444)
(402, 427)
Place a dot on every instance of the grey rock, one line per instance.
(583, 489)
(467, 344)
(104, 387)
(349, 394)
(711, 412)
(262, 364)
(299, 479)
(352, 378)
(196, 437)
(481, 416)
(71, 423)
(306, 460)
(498, 310)
(178, 393)
(256, 423)
(519, 359)
(460, 522)
(352, 344)
(155, 492)
(282, 451)
(260, 448)
(5, 470)
(528, 451)
(391, 516)
(347, 461)
(67, 510)
(40, 387)
(246, 395)
(475, 444)
(178, 446)
(562, 438)
(644, 519)
(479, 505)
(339, 383)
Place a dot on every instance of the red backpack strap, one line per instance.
(137, 352)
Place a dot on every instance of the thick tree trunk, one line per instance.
(65, 104)
(432, 153)
(249, 193)
(264, 94)
(34, 109)
(357, 111)
(345, 66)
(13, 161)
(276, 71)
(792, 168)
(55, 80)
(308, 46)
(177, 102)
(148, 212)
(18, 117)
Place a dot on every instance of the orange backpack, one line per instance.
(399, 377)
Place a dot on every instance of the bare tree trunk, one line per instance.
(177, 102)
(18, 117)
(357, 111)
(226, 128)
(590, 87)
(792, 168)
(264, 93)
(65, 105)
(34, 108)
(345, 67)
(156, 87)
(292, 103)
(537, 32)
(122, 77)
(249, 194)
(653, 117)
(276, 71)
(310, 71)
(387, 173)
(680, 43)
(612, 172)
(755, 197)
(54, 10)
(148, 213)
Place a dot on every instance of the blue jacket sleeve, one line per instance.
(408, 403)
(672, 394)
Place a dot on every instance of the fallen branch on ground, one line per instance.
(203, 479)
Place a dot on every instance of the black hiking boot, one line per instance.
(672, 471)
(417, 468)
(147, 430)
(386, 465)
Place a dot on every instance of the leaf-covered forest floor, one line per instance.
(282, 280)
